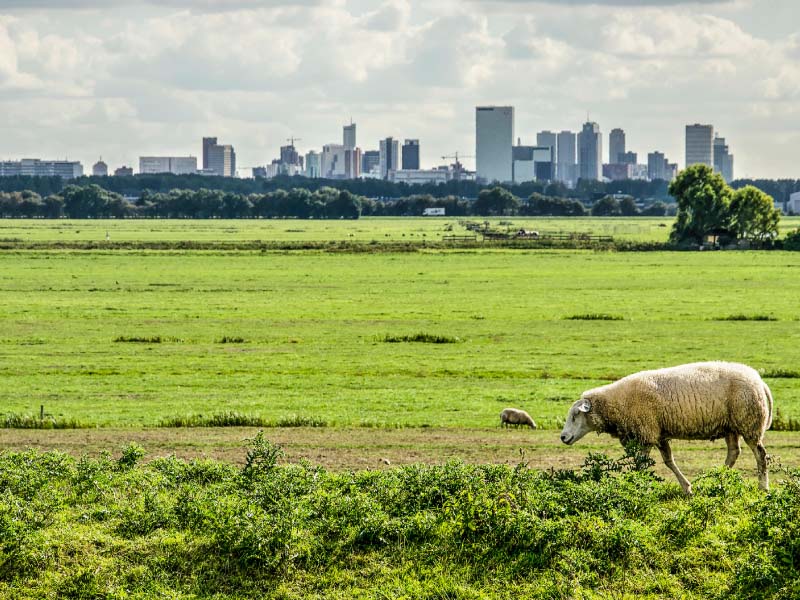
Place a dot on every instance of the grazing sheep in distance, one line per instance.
(699, 401)
(515, 416)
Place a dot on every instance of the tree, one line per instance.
(627, 206)
(656, 209)
(497, 201)
(606, 207)
(703, 200)
(753, 215)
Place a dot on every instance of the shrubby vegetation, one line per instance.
(105, 527)
(707, 206)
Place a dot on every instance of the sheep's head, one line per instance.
(578, 422)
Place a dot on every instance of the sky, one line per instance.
(81, 79)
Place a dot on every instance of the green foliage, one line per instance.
(792, 241)
(87, 529)
(595, 317)
(741, 317)
(496, 201)
(703, 204)
(754, 216)
(18, 421)
(229, 418)
(131, 455)
(607, 206)
(424, 338)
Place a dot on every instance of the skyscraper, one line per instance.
(566, 167)
(550, 140)
(390, 150)
(699, 145)
(349, 136)
(494, 139)
(313, 164)
(616, 146)
(333, 161)
(590, 152)
(222, 160)
(723, 160)
(370, 161)
(207, 143)
(411, 155)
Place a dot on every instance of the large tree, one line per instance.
(754, 216)
(497, 201)
(704, 201)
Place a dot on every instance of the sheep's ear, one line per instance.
(585, 406)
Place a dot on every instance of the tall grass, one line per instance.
(423, 338)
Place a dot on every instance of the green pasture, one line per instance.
(394, 229)
(313, 326)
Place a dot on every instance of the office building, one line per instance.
(410, 160)
(370, 162)
(628, 158)
(221, 161)
(123, 172)
(349, 136)
(616, 147)
(352, 163)
(590, 152)
(177, 165)
(723, 159)
(494, 140)
(699, 145)
(313, 164)
(618, 171)
(549, 139)
(419, 176)
(657, 166)
(208, 142)
(332, 164)
(390, 150)
(793, 205)
(532, 163)
(35, 167)
(100, 169)
(566, 165)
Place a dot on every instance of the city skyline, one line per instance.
(80, 81)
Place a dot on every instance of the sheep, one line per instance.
(515, 416)
(699, 401)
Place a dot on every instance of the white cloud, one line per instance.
(150, 75)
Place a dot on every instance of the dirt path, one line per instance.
(362, 448)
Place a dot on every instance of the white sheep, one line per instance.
(515, 416)
(699, 401)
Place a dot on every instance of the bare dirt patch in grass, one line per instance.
(359, 448)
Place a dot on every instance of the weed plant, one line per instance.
(105, 528)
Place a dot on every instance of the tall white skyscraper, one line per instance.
(349, 136)
(222, 160)
(390, 156)
(494, 139)
(616, 147)
(590, 152)
(723, 159)
(566, 165)
(699, 145)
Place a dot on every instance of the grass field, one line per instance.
(380, 229)
(405, 487)
(309, 330)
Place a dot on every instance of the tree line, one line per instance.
(93, 201)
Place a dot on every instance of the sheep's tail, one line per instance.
(769, 397)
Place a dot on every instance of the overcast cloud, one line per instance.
(84, 79)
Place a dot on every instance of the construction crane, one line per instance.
(292, 140)
(456, 156)
(458, 168)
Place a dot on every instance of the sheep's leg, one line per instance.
(732, 439)
(666, 454)
(760, 452)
